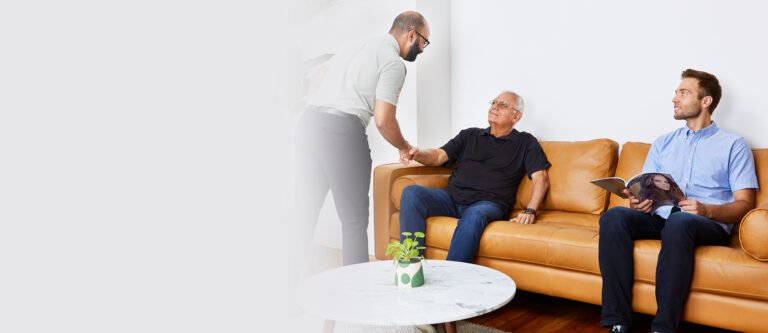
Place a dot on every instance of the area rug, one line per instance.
(462, 327)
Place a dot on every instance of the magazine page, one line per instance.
(614, 185)
(659, 187)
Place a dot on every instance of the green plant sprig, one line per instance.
(408, 249)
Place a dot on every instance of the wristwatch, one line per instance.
(530, 211)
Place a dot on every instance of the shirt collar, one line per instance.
(393, 42)
(704, 132)
(508, 137)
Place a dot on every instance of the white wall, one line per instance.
(434, 76)
(601, 68)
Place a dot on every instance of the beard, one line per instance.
(689, 113)
(413, 51)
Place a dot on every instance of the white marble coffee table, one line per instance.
(366, 294)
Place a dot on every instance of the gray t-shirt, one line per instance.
(360, 74)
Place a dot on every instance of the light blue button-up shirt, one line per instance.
(708, 165)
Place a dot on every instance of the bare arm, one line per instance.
(540, 186)
(430, 157)
(728, 213)
(384, 115)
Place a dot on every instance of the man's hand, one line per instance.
(415, 151)
(430, 157)
(695, 207)
(524, 218)
(406, 154)
(635, 203)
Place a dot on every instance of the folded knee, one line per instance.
(410, 195)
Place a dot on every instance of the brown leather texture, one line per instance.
(631, 162)
(722, 270)
(384, 177)
(574, 164)
(557, 256)
(753, 233)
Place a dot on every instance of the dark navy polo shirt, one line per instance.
(491, 168)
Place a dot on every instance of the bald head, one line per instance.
(407, 21)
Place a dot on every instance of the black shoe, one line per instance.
(619, 329)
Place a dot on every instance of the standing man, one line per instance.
(489, 165)
(716, 171)
(363, 82)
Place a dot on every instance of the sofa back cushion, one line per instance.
(631, 163)
(574, 165)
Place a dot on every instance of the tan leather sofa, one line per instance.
(557, 256)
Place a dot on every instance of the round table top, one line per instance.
(366, 294)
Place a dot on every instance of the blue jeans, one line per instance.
(418, 203)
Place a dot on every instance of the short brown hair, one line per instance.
(708, 86)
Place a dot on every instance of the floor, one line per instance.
(530, 312)
(534, 313)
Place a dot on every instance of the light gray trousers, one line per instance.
(333, 154)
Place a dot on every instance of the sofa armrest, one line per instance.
(384, 177)
(753, 232)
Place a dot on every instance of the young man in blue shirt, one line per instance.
(716, 171)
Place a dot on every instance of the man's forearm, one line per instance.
(390, 130)
(733, 212)
(729, 213)
(540, 187)
(431, 157)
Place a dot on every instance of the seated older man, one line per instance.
(489, 164)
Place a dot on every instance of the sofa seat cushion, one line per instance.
(589, 221)
(553, 244)
(719, 269)
(576, 219)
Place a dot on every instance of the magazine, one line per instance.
(660, 187)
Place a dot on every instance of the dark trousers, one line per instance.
(679, 235)
(333, 155)
(418, 203)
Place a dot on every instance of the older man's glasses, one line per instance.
(501, 105)
(426, 41)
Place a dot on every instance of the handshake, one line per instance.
(407, 154)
